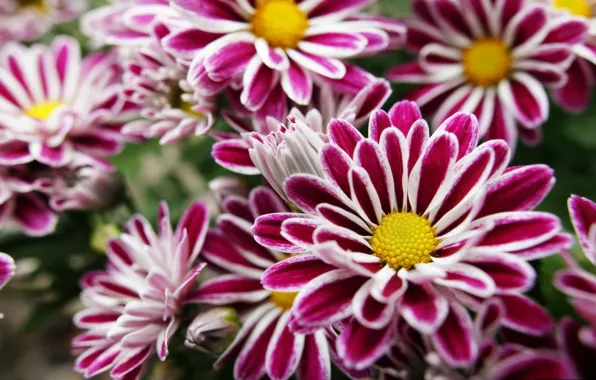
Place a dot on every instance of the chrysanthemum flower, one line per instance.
(132, 308)
(25, 200)
(580, 286)
(575, 95)
(27, 20)
(269, 42)
(403, 223)
(170, 108)
(264, 346)
(55, 106)
(124, 22)
(7, 268)
(492, 58)
(414, 356)
(232, 151)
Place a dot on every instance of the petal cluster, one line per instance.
(132, 308)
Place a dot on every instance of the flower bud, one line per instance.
(213, 330)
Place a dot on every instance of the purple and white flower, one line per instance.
(56, 106)
(403, 223)
(491, 58)
(28, 20)
(7, 269)
(265, 345)
(132, 307)
(355, 105)
(155, 81)
(269, 44)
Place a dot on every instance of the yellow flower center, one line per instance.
(187, 108)
(487, 62)
(43, 110)
(280, 22)
(404, 239)
(37, 5)
(283, 300)
(576, 7)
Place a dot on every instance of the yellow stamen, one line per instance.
(280, 22)
(187, 108)
(43, 110)
(283, 300)
(487, 62)
(581, 8)
(404, 239)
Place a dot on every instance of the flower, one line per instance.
(24, 199)
(232, 149)
(274, 42)
(413, 356)
(124, 22)
(264, 345)
(55, 106)
(169, 106)
(574, 96)
(492, 58)
(580, 285)
(7, 268)
(403, 224)
(27, 20)
(132, 307)
(213, 330)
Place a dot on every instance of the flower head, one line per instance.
(271, 45)
(492, 58)
(27, 20)
(403, 223)
(213, 330)
(133, 306)
(155, 81)
(353, 105)
(57, 106)
(265, 345)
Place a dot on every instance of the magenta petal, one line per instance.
(583, 216)
(455, 340)
(379, 121)
(315, 362)
(465, 128)
(267, 232)
(344, 135)
(129, 363)
(195, 222)
(581, 356)
(532, 365)
(359, 347)
(233, 155)
(404, 114)
(34, 215)
(292, 274)
(284, 350)
(308, 191)
(525, 315)
(7, 268)
(423, 308)
(251, 361)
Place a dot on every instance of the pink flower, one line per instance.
(575, 95)
(272, 43)
(415, 356)
(55, 106)
(29, 20)
(265, 345)
(24, 200)
(7, 268)
(353, 105)
(580, 285)
(170, 108)
(124, 22)
(491, 58)
(132, 307)
(404, 224)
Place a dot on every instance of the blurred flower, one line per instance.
(580, 286)
(274, 42)
(213, 330)
(414, 356)
(24, 199)
(264, 346)
(7, 269)
(232, 151)
(132, 308)
(56, 106)
(403, 224)
(575, 95)
(124, 22)
(491, 58)
(28, 20)
(223, 187)
(169, 106)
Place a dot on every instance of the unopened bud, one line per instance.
(213, 330)
(102, 235)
